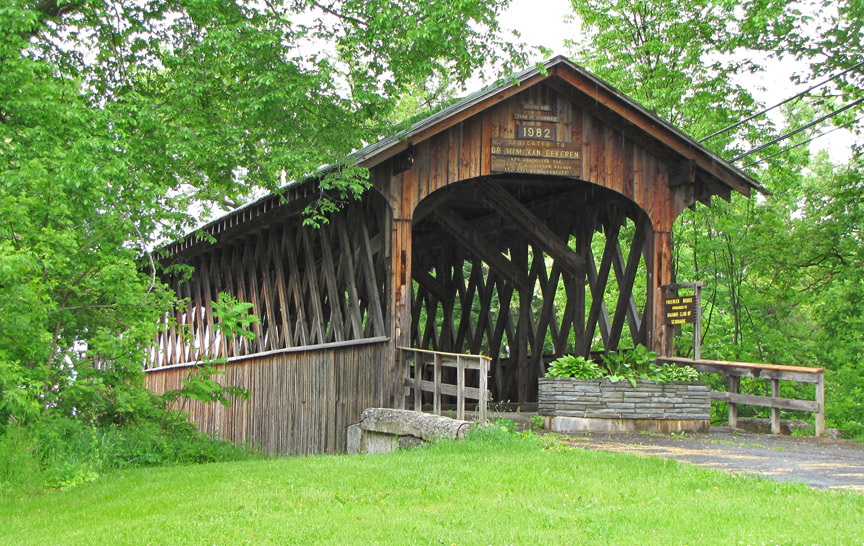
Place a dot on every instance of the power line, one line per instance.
(796, 131)
(799, 95)
(820, 135)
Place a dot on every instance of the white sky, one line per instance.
(543, 23)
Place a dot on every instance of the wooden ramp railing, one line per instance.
(773, 372)
(419, 363)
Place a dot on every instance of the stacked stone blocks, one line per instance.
(602, 399)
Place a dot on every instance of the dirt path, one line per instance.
(823, 463)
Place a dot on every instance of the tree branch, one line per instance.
(340, 16)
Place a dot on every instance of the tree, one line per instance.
(119, 119)
(676, 58)
(782, 271)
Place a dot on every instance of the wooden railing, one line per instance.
(417, 363)
(773, 372)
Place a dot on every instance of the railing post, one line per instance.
(484, 400)
(436, 397)
(460, 388)
(820, 404)
(733, 407)
(405, 371)
(775, 412)
(418, 378)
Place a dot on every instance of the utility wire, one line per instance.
(796, 131)
(799, 95)
(820, 135)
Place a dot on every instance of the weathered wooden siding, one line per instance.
(614, 157)
(302, 399)
(611, 159)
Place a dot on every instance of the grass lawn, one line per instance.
(494, 489)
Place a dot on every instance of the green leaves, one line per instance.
(233, 316)
(120, 122)
(638, 363)
(574, 366)
(672, 57)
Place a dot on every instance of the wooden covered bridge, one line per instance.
(525, 222)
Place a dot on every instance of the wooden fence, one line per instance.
(432, 364)
(773, 372)
(303, 399)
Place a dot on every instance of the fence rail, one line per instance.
(431, 364)
(773, 372)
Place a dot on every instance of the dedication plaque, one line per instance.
(536, 157)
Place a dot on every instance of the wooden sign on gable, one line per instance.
(536, 148)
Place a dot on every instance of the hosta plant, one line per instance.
(639, 363)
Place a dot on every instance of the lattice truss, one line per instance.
(307, 286)
(510, 291)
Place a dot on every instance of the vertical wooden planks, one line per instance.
(734, 382)
(820, 403)
(775, 412)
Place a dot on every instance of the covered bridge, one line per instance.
(527, 221)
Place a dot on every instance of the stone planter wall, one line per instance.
(572, 405)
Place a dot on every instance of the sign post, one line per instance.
(679, 310)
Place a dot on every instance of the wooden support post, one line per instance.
(662, 274)
(436, 396)
(820, 403)
(418, 377)
(460, 388)
(734, 381)
(697, 327)
(484, 392)
(775, 412)
(405, 371)
(399, 305)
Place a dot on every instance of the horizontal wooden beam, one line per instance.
(532, 227)
(749, 369)
(445, 388)
(766, 401)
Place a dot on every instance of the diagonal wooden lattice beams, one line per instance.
(531, 226)
(626, 275)
(302, 284)
(347, 257)
(598, 280)
(367, 264)
(334, 295)
(480, 247)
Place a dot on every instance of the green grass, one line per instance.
(496, 489)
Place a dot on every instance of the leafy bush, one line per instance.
(682, 373)
(640, 363)
(106, 420)
(62, 452)
(574, 366)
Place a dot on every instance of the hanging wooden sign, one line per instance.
(681, 310)
(678, 310)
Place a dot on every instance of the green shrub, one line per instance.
(62, 453)
(574, 366)
(681, 373)
(640, 363)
